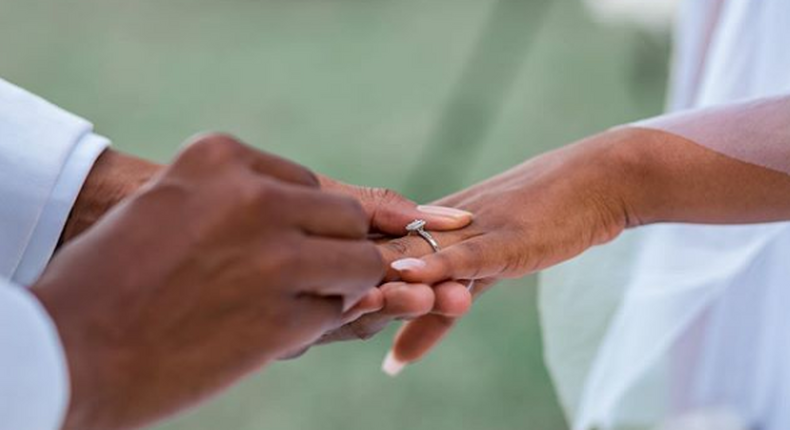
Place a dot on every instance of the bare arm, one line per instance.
(554, 207)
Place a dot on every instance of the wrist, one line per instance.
(113, 178)
(642, 161)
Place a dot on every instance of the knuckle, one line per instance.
(377, 264)
(399, 247)
(364, 329)
(286, 170)
(308, 177)
(384, 195)
(363, 332)
(387, 195)
(260, 194)
(358, 219)
(282, 265)
(214, 148)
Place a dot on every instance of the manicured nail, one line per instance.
(391, 365)
(408, 264)
(444, 212)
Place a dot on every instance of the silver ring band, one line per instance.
(418, 226)
(428, 238)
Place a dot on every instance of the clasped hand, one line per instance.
(225, 260)
(230, 258)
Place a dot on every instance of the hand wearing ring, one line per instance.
(541, 213)
(418, 226)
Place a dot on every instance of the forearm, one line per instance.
(113, 177)
(558, 205)
(670, 179)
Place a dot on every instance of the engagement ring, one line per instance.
(418, 226)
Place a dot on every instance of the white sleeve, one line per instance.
(34, 384)
(755, 131)
(45, 155)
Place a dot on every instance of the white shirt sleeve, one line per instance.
(45, 157)
(34, 384)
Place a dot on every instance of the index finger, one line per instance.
(226, 149)
(268, 164)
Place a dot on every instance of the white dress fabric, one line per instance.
(45, 156)
(676, 324)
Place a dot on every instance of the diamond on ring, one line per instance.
(416, 225)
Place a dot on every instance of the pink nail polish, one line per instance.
(444, 212)
(391, 365)
(408, 264)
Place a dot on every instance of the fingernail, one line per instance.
(391, 365)
(408, 264)
(444, 212)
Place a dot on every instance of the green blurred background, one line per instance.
(421, 96)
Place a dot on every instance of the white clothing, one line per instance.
(676, 320)
(45, 156)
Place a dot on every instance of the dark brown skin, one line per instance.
(116, 176)
(226, 260)
(557, 205)
(139, 287)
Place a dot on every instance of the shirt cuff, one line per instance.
(55, 213)
(45, 155)
(34, 381)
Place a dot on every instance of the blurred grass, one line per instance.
(356, 90)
